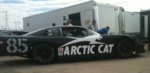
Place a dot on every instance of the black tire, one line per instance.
(43, 54)
(149, 47)
(124, 49)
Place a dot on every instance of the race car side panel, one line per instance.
(23, 45)
(138, 47)
(108, 46)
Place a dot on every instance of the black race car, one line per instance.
(47, 44)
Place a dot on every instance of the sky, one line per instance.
(12, 12)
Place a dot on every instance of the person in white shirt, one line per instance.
(69, 22)
(92, 26)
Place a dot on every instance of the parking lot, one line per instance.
(136, 64)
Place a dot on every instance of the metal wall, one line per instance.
(59, 17)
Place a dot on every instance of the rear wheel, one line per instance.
(43, 54)
(124, 49)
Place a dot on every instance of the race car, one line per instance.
(48, 44)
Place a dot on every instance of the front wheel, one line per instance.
(43, 54)
(124, 49)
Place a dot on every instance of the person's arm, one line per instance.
(89, 27)
(106, 31)
(98, 31)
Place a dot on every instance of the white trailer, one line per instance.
(81, 15)
(131, 24)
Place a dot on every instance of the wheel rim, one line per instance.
(44, 54)
(126, 49)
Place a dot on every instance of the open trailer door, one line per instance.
(107, 16)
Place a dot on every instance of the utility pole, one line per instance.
(6, 27)
(15, 25)
(18, 25)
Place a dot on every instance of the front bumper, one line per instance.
(139, 47)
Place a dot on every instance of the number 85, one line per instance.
(12, 43)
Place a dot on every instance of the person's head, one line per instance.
(64, 24)
(68, 21)
(107, 27)
(53, 24)
(93, 22)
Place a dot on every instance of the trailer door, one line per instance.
(86, 17)
(107, 16)
(145, 21)
(131, 20)
(75, 18)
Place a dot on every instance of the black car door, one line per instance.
(82, 42)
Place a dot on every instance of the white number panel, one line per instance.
(17, 45)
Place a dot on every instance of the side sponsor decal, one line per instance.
(94, 46)
(95, 39)
(17, 45)
(107, 48)
(85, 49)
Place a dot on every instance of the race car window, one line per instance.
(7, 33)
(90, 32)
(51, 32)
(74, 32)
